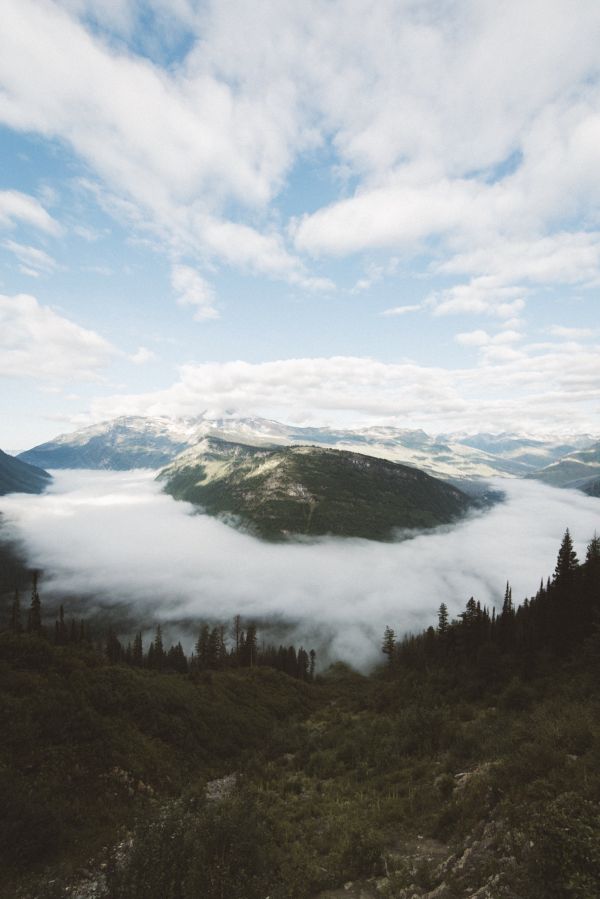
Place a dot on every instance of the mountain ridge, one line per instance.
(310, 491)
(17, 476)
(138, 441)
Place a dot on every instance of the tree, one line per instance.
(567, 562)
(388, 646)
(202, 647)
(159, 655)
(248, 650)
(443, 623)
(34, 619)
(311, 669)
(137, 651)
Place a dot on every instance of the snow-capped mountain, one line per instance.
(134, 442)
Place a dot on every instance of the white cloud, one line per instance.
(402, 310)
(16, 207)
(572, 333)
(193, 290)
(465, 127)
(36, 342)
(113, 535)
(33, 261)
(535, 388)
(142, 355)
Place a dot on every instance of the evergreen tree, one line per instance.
(34, 619)
(159, 651)
(137, 650)
(202, 647)
(250, 654)
(443, 623)
(114, 649)
(311, 670)
(388, 646)
(567, 562)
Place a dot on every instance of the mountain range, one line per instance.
(134, 442)
(275, 480)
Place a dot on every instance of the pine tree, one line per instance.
(34, 619)
(249, 649)
(159, 650)
(311, 670)
(202, 648)
(137, 650)
(388, 646)
(567, 562)
(443, 623)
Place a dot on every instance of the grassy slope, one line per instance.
(314, 491)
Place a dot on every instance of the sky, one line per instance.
(327, 212)
(116, 537)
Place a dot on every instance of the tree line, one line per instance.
(563, 614)
(215, 649)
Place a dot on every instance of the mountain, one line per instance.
(135, 441)
(312, 491)
(17, 476)
(119, 445)
(580, 470)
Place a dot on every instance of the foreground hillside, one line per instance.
(310, 491)
(468, 766)
(17, 476)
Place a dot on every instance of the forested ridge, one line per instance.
(467, 764)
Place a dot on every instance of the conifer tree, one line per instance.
(34, 619)
(249, 649)
(311, 670)
(137, 650)
(567, 562)
(443, 624)
(388, 647)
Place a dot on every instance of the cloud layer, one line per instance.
(469, 128)
(116, 536)
(547, 387)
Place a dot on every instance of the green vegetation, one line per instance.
(311, 491)
(469, 761)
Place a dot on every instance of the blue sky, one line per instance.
(328, 212)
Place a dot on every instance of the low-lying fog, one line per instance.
(116, 536)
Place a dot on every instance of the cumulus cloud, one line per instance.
(549, 387)
(468, 131)
(116, 537)
(37, 342)
(193, 290)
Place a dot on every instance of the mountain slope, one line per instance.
(576, 470)
(120, 444)
(310, 491)
(17, 476)
(135, 441)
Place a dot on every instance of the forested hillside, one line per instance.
(468, 764)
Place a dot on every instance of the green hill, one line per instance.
(302, 490)
(20, 477)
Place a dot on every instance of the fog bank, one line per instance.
(115, 535)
